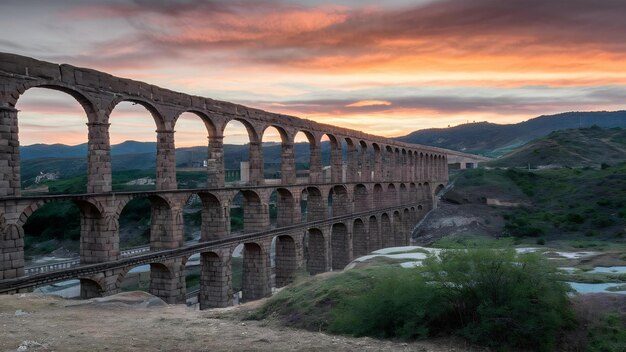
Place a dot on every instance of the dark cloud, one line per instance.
(264, 31)
(507, 102)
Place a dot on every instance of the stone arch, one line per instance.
(316, 252)
(339, 201)
(162, 281)
(253, 136)
(286, 209)
(255, 212)
(361, 198)
(340, 256)
(335, 171)
(285, 259)
(211, 127)
(283, 168)
(359, 238)
(158, 118)
(91, 288)
(314, 168)
(386, 231)
(374, 233)
(85, 102)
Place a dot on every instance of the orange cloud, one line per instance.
(369, 103)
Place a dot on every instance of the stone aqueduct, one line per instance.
(387, 187)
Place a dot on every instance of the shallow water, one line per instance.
(594, 288)
(608, 270)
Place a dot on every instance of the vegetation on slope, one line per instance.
(490, 297)
(592, 146)
(556, 203)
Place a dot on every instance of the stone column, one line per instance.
(99, 236)
(215, 280)
(336, 164)
(166, 161)
(256, 164)
(9, 153)
(167, 281)
(378, 165)
(366, 174)
(11, 251)
(215, 163)
(315, 164)
(99, 158)
(352, 164)
(287, 164)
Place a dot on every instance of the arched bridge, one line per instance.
(371, 200)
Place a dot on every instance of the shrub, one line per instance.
(492, 297)
(502, 298)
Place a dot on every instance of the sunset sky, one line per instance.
(384, 67)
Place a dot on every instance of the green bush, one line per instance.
(492, 297)
(609, 335)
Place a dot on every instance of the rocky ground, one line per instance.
(137, 321)
(450, 219)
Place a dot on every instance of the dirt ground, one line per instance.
(137, 321)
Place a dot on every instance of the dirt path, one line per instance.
(31, 322)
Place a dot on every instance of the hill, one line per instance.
(494, 140)
(570, 148)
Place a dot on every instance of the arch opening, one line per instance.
(53, 139)
(339, 246)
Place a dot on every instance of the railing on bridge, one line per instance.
(71, 263)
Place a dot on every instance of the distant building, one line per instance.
(144, 181)
(48, 176)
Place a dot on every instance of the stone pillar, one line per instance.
(287, 164)
(446, 172)
(315, 164)
(352, 163)
(286, 260)
(256, 164)
(215, 280)
(256, 271)
(11, 251)
(215, 163)
(99, 158)
(9, 153)
(215, 218)
(166, 161)
(366, 175)
(167, 281)
(99, 234)
(336, 164)
(378, 165)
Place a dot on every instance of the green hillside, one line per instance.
(494, 140)
(570, 148)
(565, 204)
